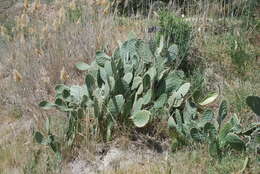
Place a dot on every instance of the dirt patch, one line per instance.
(114, 159)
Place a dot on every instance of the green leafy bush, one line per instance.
(240, 57)
(176, 31)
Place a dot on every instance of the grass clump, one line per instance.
(74, 12)
(239, 53)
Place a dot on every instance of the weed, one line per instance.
(16, 112)
(31, 167)
(74, 12)
(228, 164)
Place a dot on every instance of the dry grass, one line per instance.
(15, 149)
(45, 46)
(185, 162)
(41, 52)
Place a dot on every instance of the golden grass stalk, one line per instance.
(37, 5)
(26, 4)
(63, 74)
(17, 76)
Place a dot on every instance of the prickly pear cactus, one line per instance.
(127, 88)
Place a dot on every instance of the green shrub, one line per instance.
(176, 31)
(238, 52)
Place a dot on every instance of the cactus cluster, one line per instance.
(132, 84)
(190, 125)
(130, 88)
(127, 88)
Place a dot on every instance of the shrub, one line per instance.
(176, 31)
(238, 52)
